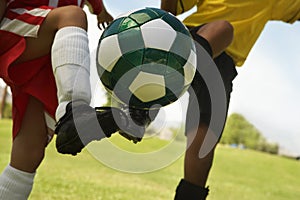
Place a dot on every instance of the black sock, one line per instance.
(189, 191)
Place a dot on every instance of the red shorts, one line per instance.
(33, 78)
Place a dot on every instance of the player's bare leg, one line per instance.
(219, 35)
(29, 144)
(27, 153)
(192, 162)
(196, 170)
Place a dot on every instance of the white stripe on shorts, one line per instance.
(38, 12)
(22, 28)
(19, 27)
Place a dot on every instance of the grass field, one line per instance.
(236, 175)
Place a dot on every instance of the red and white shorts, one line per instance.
(33, 78)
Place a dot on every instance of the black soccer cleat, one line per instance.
(80, 125)
(139, 120)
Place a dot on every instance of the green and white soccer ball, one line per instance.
(146, 58)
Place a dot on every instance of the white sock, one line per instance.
(15, 184)
(71, 67)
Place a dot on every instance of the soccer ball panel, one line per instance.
(193, 58)
(126, 78)
(190, 68)
(175, 62)
(155, 56)
(182, 45)
(161, 38)
(144, 15)
(159, 12)
(112, 29)
(157, 23)
(143, 94)
(122, 67)
(109, 52)
(127, 23)
(105, 78)
(146, 82)
(176, 24)
(154, 68)
(175, 80)
(136, 58)
(130, 40)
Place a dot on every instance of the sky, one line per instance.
(266, 90)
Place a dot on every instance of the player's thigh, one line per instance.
(56, 19)
(219, 34)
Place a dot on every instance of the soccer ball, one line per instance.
(146, 58)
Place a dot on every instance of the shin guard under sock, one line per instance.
(71, 67)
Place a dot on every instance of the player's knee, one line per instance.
(72, 16)
(226, 28)
(76, 13)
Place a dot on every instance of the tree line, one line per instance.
(239, 131)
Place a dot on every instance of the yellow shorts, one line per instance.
(248, 18)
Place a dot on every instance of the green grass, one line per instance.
(236, 175)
